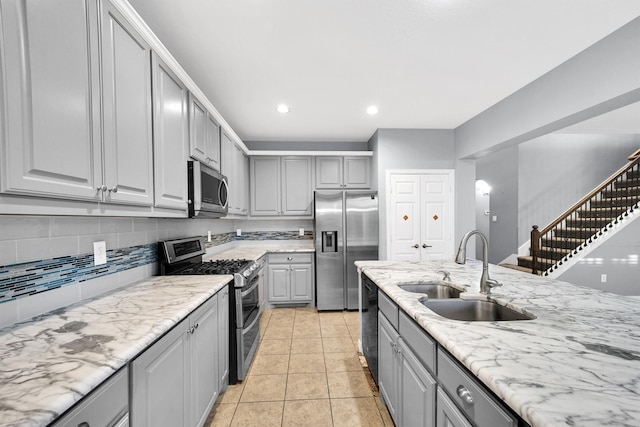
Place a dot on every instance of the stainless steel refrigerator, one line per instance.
(346, 230)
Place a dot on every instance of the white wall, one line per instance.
(601, 78)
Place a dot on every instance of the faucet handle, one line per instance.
(447, 275)
(491, 283)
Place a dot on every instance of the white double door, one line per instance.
(420, 215)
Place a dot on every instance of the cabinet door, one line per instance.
(447, 413)
(278, 283)
(417, 392)
(228, 169)
(241, 178)
(170, 137)
(198, 129)
(50, 99)
(265, 186)
(388, 365)
(223, 338)
(212, 146)
(126, 89)
(328, 172)
(204, 360)
(357, 172)
(160, 382)
(301, 282)
(297, 192)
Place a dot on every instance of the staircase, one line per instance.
(585, 221)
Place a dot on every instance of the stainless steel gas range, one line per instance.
(184, 256)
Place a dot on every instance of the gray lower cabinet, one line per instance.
(406, 386)
(223, 339)
(106, 406)
(448, 414)
(171, 137)
(290, 278)
(176, 381)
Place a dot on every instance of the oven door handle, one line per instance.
(250, 289)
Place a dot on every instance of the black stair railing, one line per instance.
(588, 218)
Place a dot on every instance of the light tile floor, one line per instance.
(306, 372)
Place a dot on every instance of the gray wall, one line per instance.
(408, 149)
(601, 78)
(618, 258)
(557, 170)
(500, 170)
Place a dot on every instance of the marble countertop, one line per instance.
(576, 364)
(50, 362)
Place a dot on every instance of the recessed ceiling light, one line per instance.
(282, 109)
(372, 109)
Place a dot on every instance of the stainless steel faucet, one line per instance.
(486, 283)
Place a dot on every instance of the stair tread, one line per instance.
(518, 267)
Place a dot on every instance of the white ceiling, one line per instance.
(425, 63)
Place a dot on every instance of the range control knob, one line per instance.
(246, 273)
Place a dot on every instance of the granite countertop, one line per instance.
(576, 364)
(52, 361)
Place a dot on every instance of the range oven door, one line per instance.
(248, 298)
(248, 339)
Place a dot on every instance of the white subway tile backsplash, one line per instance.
(145, 224)
(132, 239)
(116, 225)
(8, 252)
(46, 248)
(94, 287)
(74, 226)
(23, 227)
(38, 304)
(8, 313)
(133, 275)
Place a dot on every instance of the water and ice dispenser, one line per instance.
(329, 241)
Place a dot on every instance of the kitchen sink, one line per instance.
(474, 310)
(433, 290)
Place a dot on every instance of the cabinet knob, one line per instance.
(114, 189)
(416, 246)
(464, 394)
(102, 188)
(83, 424)
(425, 246)
(289, 258)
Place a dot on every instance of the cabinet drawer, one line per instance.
(104, 406)
(476, 404)
(290, 258)
(389, 308)
(422, 345)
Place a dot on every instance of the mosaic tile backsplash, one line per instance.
(30, 278)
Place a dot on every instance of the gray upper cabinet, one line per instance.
(204, 141)
(57, 142)
(349, 172)
(171, 137)
(126, 80)
(51, 98)
(234, 167)
(281, 186)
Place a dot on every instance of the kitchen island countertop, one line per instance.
(576, 364)
(52, 361)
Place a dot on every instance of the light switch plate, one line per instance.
(99, 253)
(239, 232)
(301, 232)
(209, 236)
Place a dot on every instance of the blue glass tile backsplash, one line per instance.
(30, 278)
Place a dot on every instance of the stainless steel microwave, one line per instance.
(208, 191)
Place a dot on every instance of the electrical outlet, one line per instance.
(238, 232)
(301, 232)
(603, 278)
(494, 218)
(99, 253)
(209, 236)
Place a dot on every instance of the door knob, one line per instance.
(425, 246)
(416, 246)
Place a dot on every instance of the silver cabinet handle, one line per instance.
(464, 394)
(289, 258)
(83, 424)
(196, 325)
(425, 246)
(114, 189)
(102, 188)
(415, 246)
